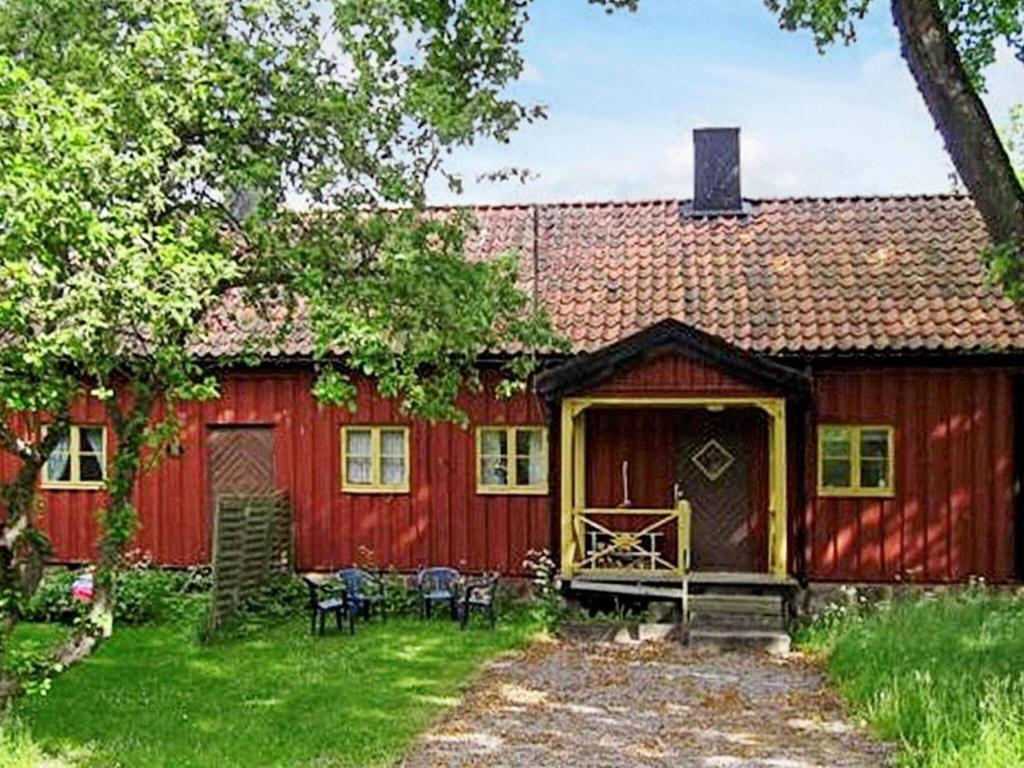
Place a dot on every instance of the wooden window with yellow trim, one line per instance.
(79, 462)
(375, 459)
(855, 460)
(512, 460)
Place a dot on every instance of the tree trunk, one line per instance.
(23, 547)
(117, 521)
(961, 118)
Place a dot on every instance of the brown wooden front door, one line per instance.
(241, 461)
(722, 470)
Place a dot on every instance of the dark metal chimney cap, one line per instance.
(716, 173)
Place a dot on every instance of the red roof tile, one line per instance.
(879, 274)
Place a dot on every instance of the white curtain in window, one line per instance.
(392, 471)
(493, 470)
(58, 466)
(358, 442)
(529, 456)
(358, 462)
(392, 457)
(92, 440)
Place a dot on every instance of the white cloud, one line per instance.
(848, 122)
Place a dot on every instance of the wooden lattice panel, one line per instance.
(252, 545)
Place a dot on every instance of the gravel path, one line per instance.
(656, 704)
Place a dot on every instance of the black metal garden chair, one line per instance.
(366, 591)
(479, 595)
(438, 585)
(328, 598)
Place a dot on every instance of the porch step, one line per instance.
(741, 622)
(716, 602)
(737, 612)
(657, 591)
(731, 640)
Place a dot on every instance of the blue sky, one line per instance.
(624, 91)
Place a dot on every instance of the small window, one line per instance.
(855, 460)
(79, 460)
(375, 459)
(512, 460)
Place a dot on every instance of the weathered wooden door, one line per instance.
(722, 469)
(241, 461)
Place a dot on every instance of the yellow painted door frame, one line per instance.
(572, 466)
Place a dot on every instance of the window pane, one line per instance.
(358, 470)
(357, 442)
(392, 443)
(835, 442)
(874, 473)
(493, 471)
(392, 471)
(529, 471)
(90, 440)
(90, 468)
(493, 442)
(874, 444)
(835, 473)
(58, 466)
(528, 443)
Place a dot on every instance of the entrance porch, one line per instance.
(672, 462)
(662, 488)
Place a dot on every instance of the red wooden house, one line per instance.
(824, 389)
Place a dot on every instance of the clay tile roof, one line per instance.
(795, 276)
(801, 275)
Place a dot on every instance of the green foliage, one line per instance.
(1013, 137)
(547, 606)
(19, 750)
(144, 594)
(419, 325)
(275, 698)
(976, 26)
(939, 675)
(193, 123)
(30, 661)
(828, 20)
(1005, 269)
(53, 601)
(400, 598)
(153, 154)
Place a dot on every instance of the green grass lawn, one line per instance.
(943, 677)
(152, 696)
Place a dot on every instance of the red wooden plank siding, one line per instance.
(671, 374)
(952, 512)
(442, 520)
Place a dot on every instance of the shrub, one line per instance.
(53, 600)
(144, 594)
(547, 606)
(283, 597)
(399, 597)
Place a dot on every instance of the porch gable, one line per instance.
(669, 358)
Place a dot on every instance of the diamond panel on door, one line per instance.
(713, 459)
